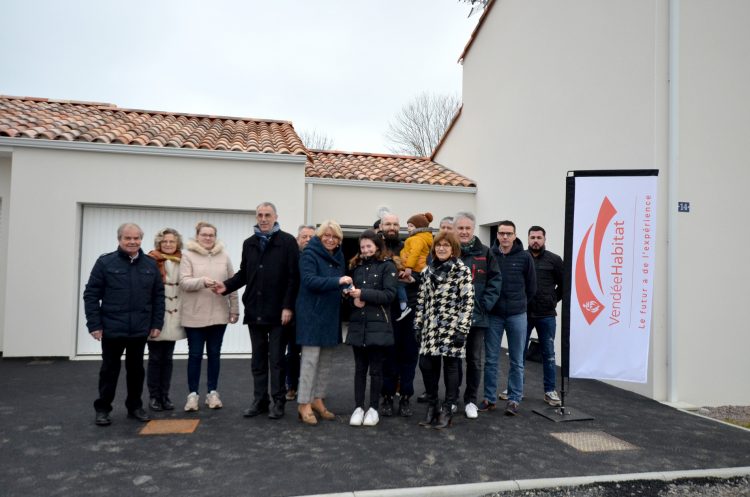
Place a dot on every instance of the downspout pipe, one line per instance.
(673, 162)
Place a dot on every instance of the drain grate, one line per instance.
(593, 441)
(170, 426)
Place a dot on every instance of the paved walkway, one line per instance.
(50, 446)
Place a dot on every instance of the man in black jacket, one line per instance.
(401, 360)
(549, 279)
(509, 315)
(124, 304)
(270, 273)
(487, 282)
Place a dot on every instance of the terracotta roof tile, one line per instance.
(41, 118)
(381, 167)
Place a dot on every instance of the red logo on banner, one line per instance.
(590, 305)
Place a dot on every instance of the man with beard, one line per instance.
(549, 289)
(509, 315)
(401, 360)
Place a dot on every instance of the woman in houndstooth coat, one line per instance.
(442, 322)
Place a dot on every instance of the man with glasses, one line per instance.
(509, 315)
(270, 273)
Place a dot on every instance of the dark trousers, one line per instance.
(293, 352)
(268, 343)
(430, 367)
(474, 347)
(211, 337)
(401, 359)
(112, 350)
(368, 358)
(159, 373)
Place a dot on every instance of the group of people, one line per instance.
(432, 301)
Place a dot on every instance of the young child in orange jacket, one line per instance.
(414, 254)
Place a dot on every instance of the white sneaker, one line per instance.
(192, 402)
(213, 401)
(552, 398)
(371, 417)
(503, 395)
(471, 411)
(404, 313)
(358, 416)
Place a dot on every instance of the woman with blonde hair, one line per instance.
(322, 281)
(167, 253)
(204, 314)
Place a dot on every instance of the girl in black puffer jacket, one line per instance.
(370, 331)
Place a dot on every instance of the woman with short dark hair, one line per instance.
(442, 322)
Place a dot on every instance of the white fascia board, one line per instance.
(116, 148)
(390, 185)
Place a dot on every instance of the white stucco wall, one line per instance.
(551, 87)
(4, 216)
(48, 188)
(358, 206)
(714, 176)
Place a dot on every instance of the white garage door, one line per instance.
(99, 236)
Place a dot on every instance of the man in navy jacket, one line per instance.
(124, 304)
(509, 315)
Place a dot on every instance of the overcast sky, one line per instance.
(342, 67)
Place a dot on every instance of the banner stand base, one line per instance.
(563, 414)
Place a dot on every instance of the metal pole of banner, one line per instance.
(564, 413)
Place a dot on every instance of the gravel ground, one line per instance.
(701, 487)
(725, 413)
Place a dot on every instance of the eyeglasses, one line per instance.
(442, 247)
(503, 234)
(329, 236)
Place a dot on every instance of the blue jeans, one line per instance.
(211, 337)
(545, 330)
(515, 327)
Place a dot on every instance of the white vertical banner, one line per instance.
(614, 228)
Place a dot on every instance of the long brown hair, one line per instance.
(375, 238)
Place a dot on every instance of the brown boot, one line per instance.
(320, 408)
(306, 415)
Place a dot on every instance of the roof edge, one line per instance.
(447, 131)
(392, 185)
(474, 33)
(115, 148)
(368, 154)
(114, 107)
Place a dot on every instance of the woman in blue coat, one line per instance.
(370, 330)
(322, 281)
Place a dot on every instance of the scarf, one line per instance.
(264, 238)
(467, 246)
(160, 257)
(438, 270)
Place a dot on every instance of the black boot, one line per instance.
(444, 417)
(404, 409)
(430, 416)
(386, 406)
